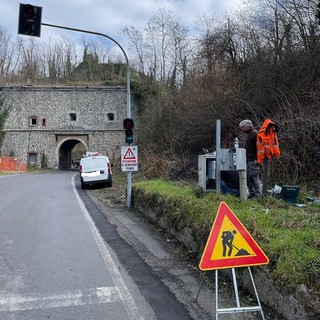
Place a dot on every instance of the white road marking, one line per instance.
(124, 293)
(11, 302)
(18, 302)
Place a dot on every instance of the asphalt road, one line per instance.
(55, 264)
(64, 256)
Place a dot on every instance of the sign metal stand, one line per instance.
(238, 308)
(229, 246)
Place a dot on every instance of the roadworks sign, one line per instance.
(230, 245)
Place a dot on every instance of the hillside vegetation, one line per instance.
(263, 62)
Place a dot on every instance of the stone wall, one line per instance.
(41, 119)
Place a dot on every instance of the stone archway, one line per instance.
(64, 152)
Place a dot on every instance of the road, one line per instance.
(54, 263)
(64, 256)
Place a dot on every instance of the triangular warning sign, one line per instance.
(129, 155)
(229, 244)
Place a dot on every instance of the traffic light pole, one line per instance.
(129, 174)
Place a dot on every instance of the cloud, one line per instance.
(111, 16)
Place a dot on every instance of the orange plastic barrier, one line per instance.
(9, 164)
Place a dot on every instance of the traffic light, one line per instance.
(29, 20)
(128, 125)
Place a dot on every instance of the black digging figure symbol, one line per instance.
(227, 242)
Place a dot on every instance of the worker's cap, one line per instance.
(245, 123)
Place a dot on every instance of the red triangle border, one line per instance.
(206, 263)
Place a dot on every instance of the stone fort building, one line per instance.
(45, 124)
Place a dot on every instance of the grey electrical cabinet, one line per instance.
(206, 171)
(233, 159)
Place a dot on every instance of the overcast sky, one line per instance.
(111, 16)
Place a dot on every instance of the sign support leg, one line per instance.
(256, 293)
(235, 287)
(201, 284)
(238, 308)
(217, 295)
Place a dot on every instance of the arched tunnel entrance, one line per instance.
(70, 152)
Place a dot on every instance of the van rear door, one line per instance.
(95, 170)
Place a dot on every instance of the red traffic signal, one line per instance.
(29, 20)
(128, 123)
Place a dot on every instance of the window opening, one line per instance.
(33, 121)
(110, 116)
(73, 116)
(32, 158)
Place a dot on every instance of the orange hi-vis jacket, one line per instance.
(267, 141)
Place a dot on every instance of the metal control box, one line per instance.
(231, 159)
(206, 171)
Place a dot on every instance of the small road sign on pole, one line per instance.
(129, 158)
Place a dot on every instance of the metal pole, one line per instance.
(265, 176)
(129, 173)
(243, 184)
(218, 155)
(129, 176)
(217, 294)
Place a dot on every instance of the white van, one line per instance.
(95, 170)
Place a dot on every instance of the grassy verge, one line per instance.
(3, 173)
(116, 195)
(289, 235)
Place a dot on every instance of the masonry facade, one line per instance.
(46, 123)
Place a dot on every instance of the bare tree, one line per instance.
(58, 59)
(163, 50)
(8, 56)
(136, 48)
(29, 60)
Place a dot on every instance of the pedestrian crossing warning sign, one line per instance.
(229, 244)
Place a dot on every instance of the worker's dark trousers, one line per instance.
(253, 179)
